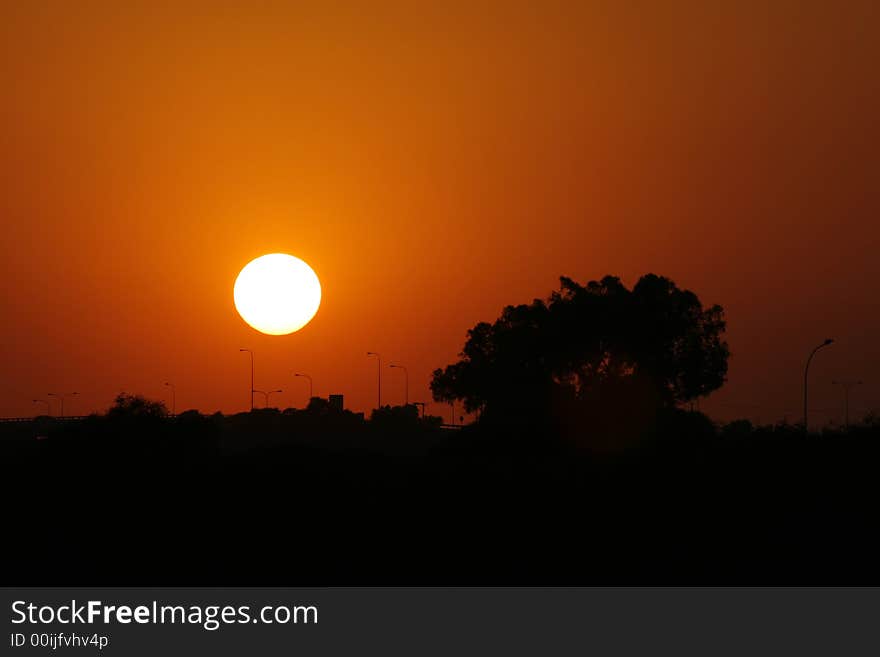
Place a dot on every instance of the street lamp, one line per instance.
(266, 394)
(847, 386)
(46, 402)
(252, 375)
(62, 396)
(406, 379)
(173, 398)
(827, 342)
(311, 387)
(379, 374)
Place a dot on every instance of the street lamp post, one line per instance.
(379, 375)
(311, 386)
(46, 402)
(827, 342)
(252, 376)
(406, 380)
(269, 394)
(173, 398)
(847, 386)
(62, 396)
(266, 394)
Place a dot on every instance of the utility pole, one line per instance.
(847, 386)
(406, 382)
(379, 375)
(252, 375)
(173, 397)
(62, 396)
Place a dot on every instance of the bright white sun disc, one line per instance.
(277, 293)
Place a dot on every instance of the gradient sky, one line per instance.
(432, 165)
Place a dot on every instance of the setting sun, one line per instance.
(277, 294)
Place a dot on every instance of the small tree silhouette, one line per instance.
(136, 406)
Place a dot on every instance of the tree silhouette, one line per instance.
(136, 406)
(654, 345)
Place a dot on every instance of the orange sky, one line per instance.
(431, 165)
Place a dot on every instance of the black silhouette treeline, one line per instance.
(583, 468)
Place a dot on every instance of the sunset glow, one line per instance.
(432, 164)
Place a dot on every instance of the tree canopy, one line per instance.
(136, 406)
(655, 341)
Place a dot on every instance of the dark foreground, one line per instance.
(291, 499)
